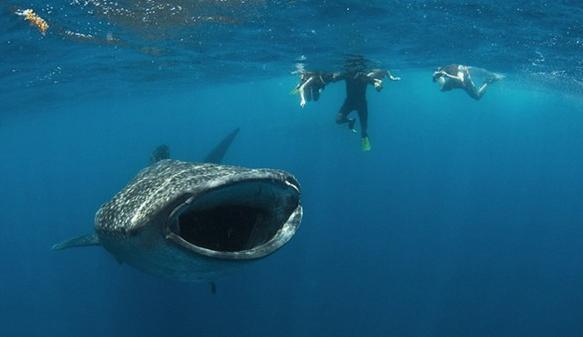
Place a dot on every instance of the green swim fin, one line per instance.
(365, 144)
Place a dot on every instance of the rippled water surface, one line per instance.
(203, 42)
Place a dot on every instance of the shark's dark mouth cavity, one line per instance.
(247, 216)
(228, 228)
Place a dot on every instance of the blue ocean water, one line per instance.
(464, 220)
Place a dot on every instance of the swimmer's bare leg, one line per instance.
(478, 93)
(475, 93)
(482, 90)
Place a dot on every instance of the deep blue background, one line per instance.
(464, 220)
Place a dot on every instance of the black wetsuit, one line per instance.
(356, 84)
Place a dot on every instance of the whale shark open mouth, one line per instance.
(244, 219)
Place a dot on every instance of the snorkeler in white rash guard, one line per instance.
(457, 76)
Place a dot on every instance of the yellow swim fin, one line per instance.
(365, 144)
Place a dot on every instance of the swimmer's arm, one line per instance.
(452, 76)
(302, 91)
(373, 78)
(336, 76)
(302, 99)
(378, 84)
(391, 77)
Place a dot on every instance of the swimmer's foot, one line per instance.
(351, 123)
(496, 77)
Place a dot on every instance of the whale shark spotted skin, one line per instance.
(194, 221)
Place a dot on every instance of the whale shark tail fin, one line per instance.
(80, 241)
(217, 154)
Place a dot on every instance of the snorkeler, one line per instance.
(357, 79)
(311, 85)
(457, 76)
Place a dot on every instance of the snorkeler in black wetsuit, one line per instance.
(457, 76)
(357, 80)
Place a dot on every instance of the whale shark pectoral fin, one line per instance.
(217, 154)
(80, 241)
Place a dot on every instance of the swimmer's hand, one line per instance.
(302, 103)
(336, 76)
(378, 84)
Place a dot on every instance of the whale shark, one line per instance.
(193, 221)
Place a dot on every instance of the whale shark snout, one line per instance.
(243, 216)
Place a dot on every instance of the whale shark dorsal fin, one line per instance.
(80, 241)
(215, 156)
(160, 153)
(218, 153)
